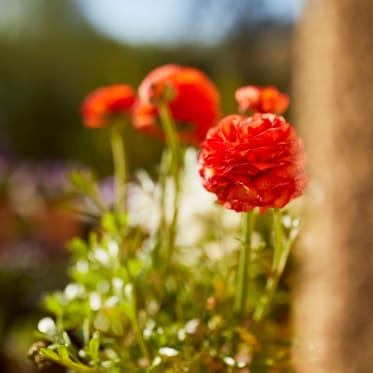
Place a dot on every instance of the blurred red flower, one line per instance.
(261, 99)
(253, 162)
(105, 103)
(145, 118)
(191, 96)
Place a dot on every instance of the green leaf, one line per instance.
(66, 339)
(77, 246)
(94, 345)
(135, 266)
(114, 223)
(63, 352)
(127, 308)
(109, 223)
(83, 181)
(53, 303)
(49, 354)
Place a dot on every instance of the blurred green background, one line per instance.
(52, 54)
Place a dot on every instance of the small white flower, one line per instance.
(95, 301)
(168, 352)
(47, 326)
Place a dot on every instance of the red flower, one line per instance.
(192, 99)
(145, 117)
(105, 103)
(261, 99)
(253, 162)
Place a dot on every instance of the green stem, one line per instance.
(134, 316)
(70, 364)
(265, 300)
(282, 249)
(162, 227)
(120, 169)
(96, 198)
(278, 238)
(174, 170)
(243, 275)
(171, 134)
(140, 339)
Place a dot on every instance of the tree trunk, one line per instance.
(333, 98)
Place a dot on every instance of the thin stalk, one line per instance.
(120, 169)
(162, 228)
(265, 300)
(140, 339)
(278, 238)
(171, 134)
(96, 199)
(174, 170)
(134, 316)
(282, 249)
(243, 274)
(74, 366)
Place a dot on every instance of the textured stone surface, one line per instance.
(333, 98)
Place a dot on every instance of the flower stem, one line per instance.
(162, 227)
(174, 171)
(242, 285)
(134, 315)
(140, 339)
(282, 248)
(278, 239)
(120, 169)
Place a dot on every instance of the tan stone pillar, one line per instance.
(333, 101)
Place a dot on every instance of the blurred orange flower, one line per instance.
(261, 99)
(192, 99)
(107, 103)
(253, 162)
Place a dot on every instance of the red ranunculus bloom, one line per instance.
(106, 103)
(261, 99)
(253, 162)
(145, 117)
(191, 96)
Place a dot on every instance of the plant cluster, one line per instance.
(168, 280)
